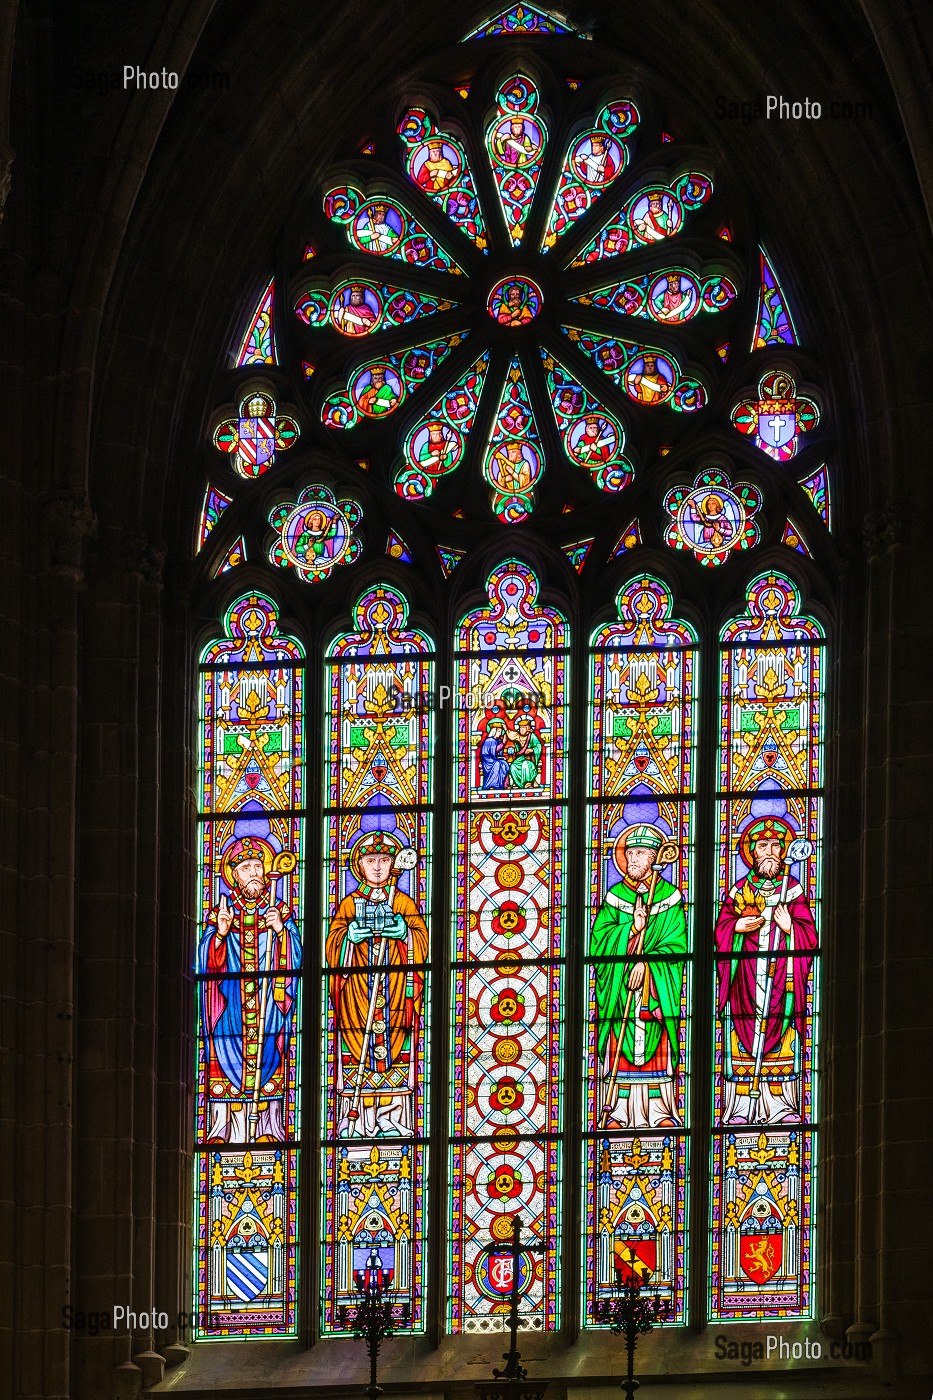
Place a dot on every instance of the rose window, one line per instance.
(514, 301)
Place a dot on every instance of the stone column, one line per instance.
(117, 956)
(44, 907)
(899, 1123)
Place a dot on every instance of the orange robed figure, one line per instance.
(377, 1013)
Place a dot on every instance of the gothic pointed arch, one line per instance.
(542, 460)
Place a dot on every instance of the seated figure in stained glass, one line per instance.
(655, 216)
(357, 310)
(432, 167)
(673, 297)
(437, 447)
(517, 141)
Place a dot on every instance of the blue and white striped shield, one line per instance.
(247, 1273)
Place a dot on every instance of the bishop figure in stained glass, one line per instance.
(247, 1005)
(642, 926)
(378, 939)
(763, 995)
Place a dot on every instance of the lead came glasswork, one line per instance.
(384, 227)
(519, 19)
(248, 963)
(508, 955)
(593, 438)
(252, 439)
(816, 488)
(648, 376)
(515, 143)
(257, 346)
(436, 444)
(512, 275)
(514, 460)
(437, 163)
(593, 162)
(774, 325)
(651, 215)
(215, 503)
(363, 307)
(381, 385)
(378, 782)
(776, 419)
(641, 767)
(670, 296)
(711, 517)
(770, 855)
(315, 533)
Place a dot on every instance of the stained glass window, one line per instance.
(508, 953)
(536, 392)
(640, 901)
(774, 325)
(257, 345)
(770, 825)
(215, 503)
(248, 968)
(521, 19)
(378, 787)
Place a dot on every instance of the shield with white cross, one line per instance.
(776, 429)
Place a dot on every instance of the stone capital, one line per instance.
(69, 524)
(884, 529)
(143, 556)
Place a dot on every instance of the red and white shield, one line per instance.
(501, 1271)
(257, 442)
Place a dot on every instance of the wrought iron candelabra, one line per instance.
(630, 1314)
(511, 1380)
(513, 1370)
(372, 1319)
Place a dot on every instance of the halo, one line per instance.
(744, 842)
(227, 864)
(664, 845)
(387, 837)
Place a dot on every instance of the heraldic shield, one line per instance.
(761, 1243)
(635, 1260)
(247, 1260)
(496, 1271)
(776, 429)
(635, 1244)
